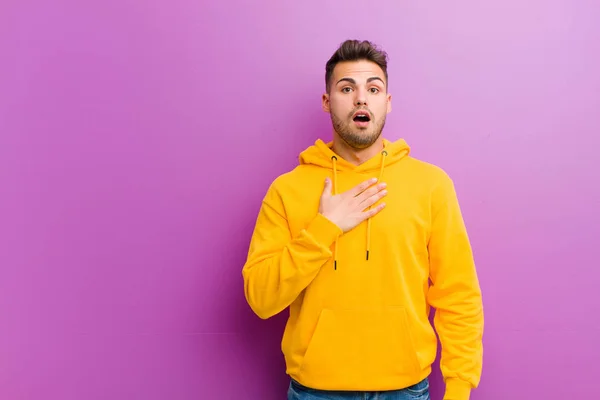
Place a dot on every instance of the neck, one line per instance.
(356, 156)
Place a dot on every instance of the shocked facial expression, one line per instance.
(358, 102)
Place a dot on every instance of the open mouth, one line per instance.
(361, 117)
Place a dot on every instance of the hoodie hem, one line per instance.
(374, 383)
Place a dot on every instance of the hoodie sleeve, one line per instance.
(280, 266)
(455, 294)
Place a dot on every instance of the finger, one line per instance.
(378, 190)
(373, 211)
(358, 189)
(369, 201)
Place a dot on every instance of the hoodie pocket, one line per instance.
(361, 344)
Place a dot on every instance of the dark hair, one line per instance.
(355, 50)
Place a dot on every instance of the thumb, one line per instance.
(327, 187)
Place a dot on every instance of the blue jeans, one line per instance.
(419, 391)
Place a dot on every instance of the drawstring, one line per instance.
(335, 249)
(334, 162)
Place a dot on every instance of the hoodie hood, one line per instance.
(321, 155)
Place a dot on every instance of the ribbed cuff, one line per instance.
(323, 231)
(457, 389)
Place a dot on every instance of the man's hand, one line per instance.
(346, 210)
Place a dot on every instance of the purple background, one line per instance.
(137, 139)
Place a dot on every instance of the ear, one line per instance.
(325, 101)
(389, 103)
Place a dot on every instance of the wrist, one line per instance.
(323, 230)
(332, 220)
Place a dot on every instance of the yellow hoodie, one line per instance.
(359, 302)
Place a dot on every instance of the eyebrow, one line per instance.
(374, 78)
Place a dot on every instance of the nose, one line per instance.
(361, 98)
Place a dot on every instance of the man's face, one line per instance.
(358, 102)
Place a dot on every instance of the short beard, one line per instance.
(357, 138)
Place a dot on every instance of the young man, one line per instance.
(359, 241)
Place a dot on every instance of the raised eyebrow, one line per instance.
(352, 81)
(375, 78)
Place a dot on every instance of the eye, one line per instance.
(374, 90)
(346, 89)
